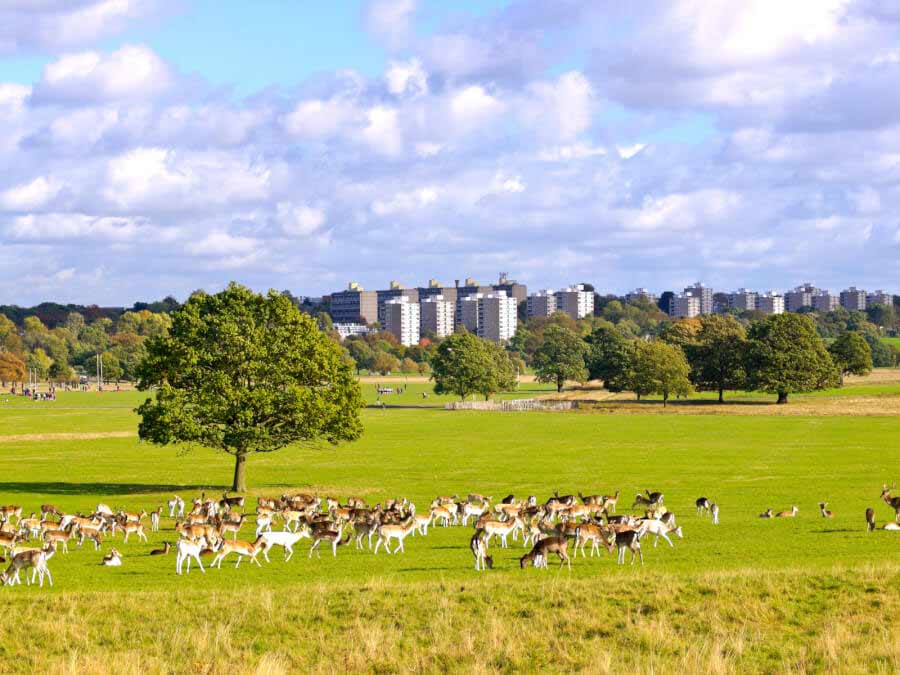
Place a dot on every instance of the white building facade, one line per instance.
(436, 316)
(401, 318)
(575, 301)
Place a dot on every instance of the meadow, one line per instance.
(803, 594)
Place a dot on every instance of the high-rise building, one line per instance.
(401, 317)
(511, 287)
(800, 297)
(467, 312)
(825, 301)
(704, 294)
(770, 303)
(684, 306)
(879, 298)
(345, 330)
(640, 294)
(853, 299)
(436, 316)
(354, 305)
(497, 316)
(396, 290)
(471, 287)
(435, 288)
(576, 301)
(541, 303)
(742, 300)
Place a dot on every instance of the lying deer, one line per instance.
(825, 512)
(788, 514)
(112, 559)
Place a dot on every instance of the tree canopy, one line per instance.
(787, 356)
(242, 372)
(464, 364)
(560, 357)
(659, 368)
(609, 358)
(717, 354)
(851, 354)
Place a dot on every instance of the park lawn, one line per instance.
(749, 594)
(893, 341)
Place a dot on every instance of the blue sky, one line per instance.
(157, 146)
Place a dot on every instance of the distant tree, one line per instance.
(560, 357)
(882, 355)
(61, 372)
(385, 363)
(9, 336)
(718, 354)
(362, 354)
(681, 333)
(12, 368)
(609, 358)
(407, 365)
(464, 364)
(786, 356)
(242, 373)
(851, 354)
(659, 368)
(39, 362)
(111, 367)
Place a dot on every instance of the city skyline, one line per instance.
(153, 147)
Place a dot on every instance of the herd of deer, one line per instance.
(204, 530)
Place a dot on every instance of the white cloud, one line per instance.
(427, 149)
(383, 134)
(133, 72)
(563, 108)
(300, 220)
(320, 118)
(66, 226)
(30, 196)
(406, 77)
(406, 202)
(223, 244)
(473, 107)
(683, 210)
(390, 20)
(629, 151)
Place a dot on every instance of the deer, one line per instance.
(154, 519)
(57, 537)
(162, 551)
(479, 549)
(714, 510)
(626, 540)
(228, 503)
(442, 515)
(185, 550)
(659, 529)
(264, 523)
(766, 514)
(610, 501)
(103, 510)
(10, 510)
(8, 540)
(284, 539)
(331, 536)
(176, 507)
(641, 500)
(703, 506)
(588, 532)
(788, 514)
(541, 550)
(870, 519)
(240, 548)
(230, 526)
(91, 532)
(825, 512)
(474, 510)
(30, 526)
(130, 526)
(891, 527)
(591, 500)
(49, 510)
(112, 559)
(502, 529)
(398, 532)
(893, 502)
(34, 558)
(422, 521)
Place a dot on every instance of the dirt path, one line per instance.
(87, 436)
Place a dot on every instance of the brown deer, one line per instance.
(788, 514)
(825, 512)
(541, 550)
(893, 502)
(870, 519)
(479, 549)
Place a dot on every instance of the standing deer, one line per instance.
(893, 502)
(479, 549)
(703, 506)
(541, 550)
(870, 519)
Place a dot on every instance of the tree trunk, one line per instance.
(665, 400)
(782, 397)
(240, 473)
(560, 381)
(721, 395)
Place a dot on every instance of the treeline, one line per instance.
(69, 349)
(780, 354)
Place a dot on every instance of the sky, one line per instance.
(154, 147)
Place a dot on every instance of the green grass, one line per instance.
(893, 341)
(762, 576)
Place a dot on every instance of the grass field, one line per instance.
(804, 594)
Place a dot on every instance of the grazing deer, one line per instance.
(626, 540)
(788, 514)
(284, 539)
(331, 536)
(825, 512)
(591, 500)
(659, 529)
(398, 532)
(479, 549)
(10, 510)
(240, 548)
(893, 502)
(870, 519)
(112, 559)
(185, 550)
(766, 514)
(641, 500)
(588, 532)
(502, 529)
(703, 506)
(35, 559)
(91, 532)
(162, 551)
(714, 510)
(610, 501)
(132, 527)
(443, 515)
(176, 507)
(154, 519)
(541, 550)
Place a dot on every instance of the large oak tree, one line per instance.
(241, 373)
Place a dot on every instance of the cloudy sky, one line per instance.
(151, 147)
